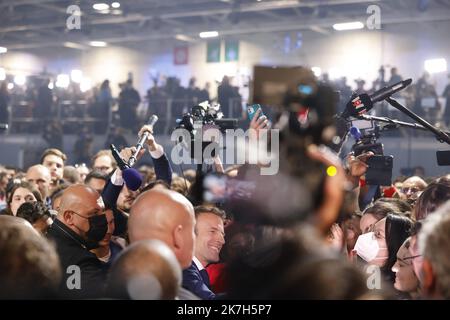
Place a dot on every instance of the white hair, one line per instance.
(434, 244)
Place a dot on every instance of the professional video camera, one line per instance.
(205, 114)
(201, 118)
(366, 134)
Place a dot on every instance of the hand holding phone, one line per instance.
(254, 111)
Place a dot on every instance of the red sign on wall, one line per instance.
(180, 55)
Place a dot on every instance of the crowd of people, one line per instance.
(99, 109)
(315, 230)
(80, 233)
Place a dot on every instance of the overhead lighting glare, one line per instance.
(435, 65)
(208, 34)
(348, 26)
(62, 81)
(98, 44)
(100, 6)
(20, 80)
(76, 76)
(317, 71)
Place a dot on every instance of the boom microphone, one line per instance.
(142, 140)
(360, 104)
(131, 176)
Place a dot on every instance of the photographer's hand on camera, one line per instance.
(357, 167)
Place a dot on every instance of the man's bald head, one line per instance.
(40, 177)
(167, 216)
(147, 270)
(412, 188)
(78, 203)
(79, 196)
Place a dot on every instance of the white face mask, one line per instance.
(367, 247)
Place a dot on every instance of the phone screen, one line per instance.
(251, 111)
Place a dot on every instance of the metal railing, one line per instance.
(74, 114)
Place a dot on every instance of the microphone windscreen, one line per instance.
(359, 105)
(354, 131)
(132, 178)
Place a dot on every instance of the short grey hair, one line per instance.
(434, 243)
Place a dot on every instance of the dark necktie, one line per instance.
(205, 277)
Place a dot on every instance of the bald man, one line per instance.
(146, 270)
(80, 225)
(39, 176)
(168, 216)
(412, 188)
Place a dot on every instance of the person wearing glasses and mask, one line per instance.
(380, 245)
(79, 227)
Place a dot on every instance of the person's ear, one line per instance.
(178, 237)
(427, 277)
(68, 217)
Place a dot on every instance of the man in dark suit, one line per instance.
(167, 216)
(115, 185)
(210, 238)
(80, 225)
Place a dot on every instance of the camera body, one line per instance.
(202, 117)
(379, 171)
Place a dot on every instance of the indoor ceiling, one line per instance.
(28, 24)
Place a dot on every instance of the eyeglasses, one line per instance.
(412, 257)
(410, 190)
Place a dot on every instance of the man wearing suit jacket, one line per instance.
(115, 184)
(210, 238)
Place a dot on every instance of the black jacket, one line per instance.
(73, 254)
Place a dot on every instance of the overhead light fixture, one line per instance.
(2, 74)
(51, 86)
(115, 5)
(76, 76)
(317, 71)
(62, 81)
(208, 34)
(100, 6)
(435, 65)
(3, 50)
(183, 37)
(74, 45)
(355, 25)
(98, 43)
(10, 86)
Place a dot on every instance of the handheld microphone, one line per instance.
(360, 104)
(131, 176)
(356, 133)
(151, 122)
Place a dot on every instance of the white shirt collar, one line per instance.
(198, 263)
